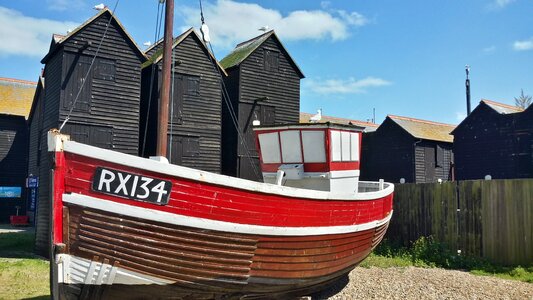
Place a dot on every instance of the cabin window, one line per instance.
(269, 143)
(344, 146)
(291, 147)
(105, 69)
(335, 145)
(271, 60)
(313, 143)
(354, 146)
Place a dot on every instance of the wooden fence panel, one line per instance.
(507, 221)
(491, 219)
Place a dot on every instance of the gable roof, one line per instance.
(502, 108)
(16, 96)
(58, 39)
(422, 129)
(497, 107)
(244, 49)
(369, 127)
(38, 90)
(158, 54)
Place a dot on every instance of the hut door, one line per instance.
(77, 68)
(524, 157)
(429, 163)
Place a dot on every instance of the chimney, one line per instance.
(467, 84)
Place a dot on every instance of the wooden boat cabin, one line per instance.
(323, 156)
(263, 84)
(103, 109)
(194, 132)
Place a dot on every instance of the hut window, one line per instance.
(335, 145)
(105, 69)
(269, 143)
(313, 143)
(192, 85)
(291, 148)
(271, 60)
(191, 146)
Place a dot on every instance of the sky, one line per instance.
(403, 58)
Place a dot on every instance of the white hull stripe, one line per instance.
(165, 217)
(208, 177)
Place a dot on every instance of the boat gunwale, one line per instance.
(208, 177)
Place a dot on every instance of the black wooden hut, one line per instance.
(495, 139)
(15, 100)
(194, 132)
(99, 88)
(263, 84)
(416, 150)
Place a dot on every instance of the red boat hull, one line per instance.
(211, 240)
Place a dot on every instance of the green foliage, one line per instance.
(523, 101)
(428, 253)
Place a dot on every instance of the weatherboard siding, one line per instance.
(13, 163)
(282, 87)
(111, 103)
(200, 115)
(499, 145)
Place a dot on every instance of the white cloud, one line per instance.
(232, 22)
(502, 3)
(62, 5)
(498, 4)
(523, 45)
(460, 116)
(353, 18)
(345, 86)
(489, 49)
(23, 35)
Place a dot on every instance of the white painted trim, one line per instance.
(212, 178)
(170, 218)
(96, 273)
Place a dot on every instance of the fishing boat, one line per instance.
(131, 227)
(127, 227)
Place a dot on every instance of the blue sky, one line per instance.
(400, 57)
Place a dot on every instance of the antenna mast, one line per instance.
(467, 84)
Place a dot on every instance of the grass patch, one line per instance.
(22, 274)
(428, 253)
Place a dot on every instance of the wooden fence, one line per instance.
(491, 219)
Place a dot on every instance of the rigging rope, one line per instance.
(90, 67)
(227, 100)
(157, 37)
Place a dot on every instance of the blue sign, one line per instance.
(10, 191)
(33, 199)
(32, 182)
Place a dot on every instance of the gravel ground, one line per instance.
(420, 283)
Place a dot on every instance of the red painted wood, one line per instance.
(204, 200)
(58, 191)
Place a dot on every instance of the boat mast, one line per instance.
(165, 84)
